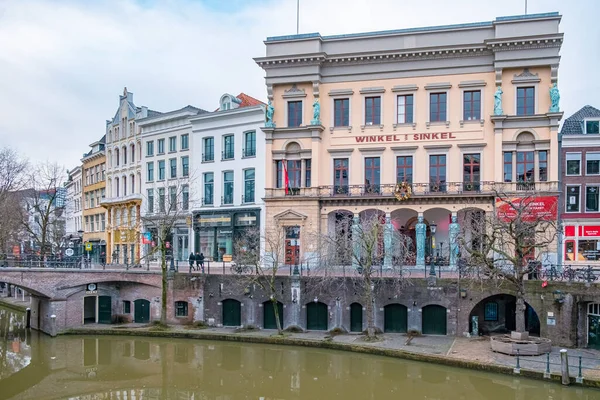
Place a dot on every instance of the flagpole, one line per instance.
(525, 7)
(298, 16)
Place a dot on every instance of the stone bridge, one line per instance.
(57, 294)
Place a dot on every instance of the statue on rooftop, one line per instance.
(498, 102)
(554, 99)
(270, 112)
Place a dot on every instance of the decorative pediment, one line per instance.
(294, 92)
(526, 77)
(289, 214)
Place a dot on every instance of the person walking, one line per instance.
(191, 259)
(200, 260)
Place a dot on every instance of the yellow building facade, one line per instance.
(93, 192)
(410, 124)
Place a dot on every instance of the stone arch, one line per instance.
(37, 291)
(295, 145)
(525, 135)
(496, 313)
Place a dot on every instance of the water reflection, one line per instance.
(138, 368)
(15, 352)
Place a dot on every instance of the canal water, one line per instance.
(34, 366)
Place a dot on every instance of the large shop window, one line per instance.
(573, 164)
(591, 199)
(404, 169)
(373, 110)
(572, 198)
(592, 163)
(341, 112)
(589, 249)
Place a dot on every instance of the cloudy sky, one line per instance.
(63, 63)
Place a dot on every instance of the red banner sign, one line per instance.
(591, 230)
(529, 208)
(405, 137)
(569, 230)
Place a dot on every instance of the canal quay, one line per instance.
(36, 366)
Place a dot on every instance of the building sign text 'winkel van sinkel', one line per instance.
(405, 137)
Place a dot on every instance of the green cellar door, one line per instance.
(269, 315)
(141, 311)
(356, 317)
(316, 316)
(395, 318)
(594, 331)
(434, 320)
(232, 313)
(104, 310)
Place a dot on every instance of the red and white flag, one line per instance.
(286, 178)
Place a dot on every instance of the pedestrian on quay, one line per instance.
(200, 261)
(191, 259)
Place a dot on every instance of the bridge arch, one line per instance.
(29, 288)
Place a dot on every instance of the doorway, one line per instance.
(434, 320)
(89, 310)
(141, 311)
(316, 316)
(232, 313)
(594, 326)
(269, 321)
(395, 318)
(356, 317)
(104, 310)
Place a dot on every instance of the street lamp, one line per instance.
(432, 228)
(81, 245)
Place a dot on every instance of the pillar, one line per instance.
(421, 230)
(355, 240)
(295, 307)
(387, 241)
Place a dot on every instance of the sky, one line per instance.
(64, 63)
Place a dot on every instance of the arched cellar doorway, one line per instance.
(496, 314)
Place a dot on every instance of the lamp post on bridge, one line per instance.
(432, 228)
(81, 246)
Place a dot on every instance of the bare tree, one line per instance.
(375, 258)
(12, 179)
(509, 244)
(259, 266)
(168, 206)
(44, 204)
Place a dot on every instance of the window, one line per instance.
(279, 174)
(404, 169)
(294, 109)
(126, 307)
(161, 170)
(102, 222)
(572, 197)
(87, 223)
(591, 199)
(172, 143)
(161, 146)
(543, 165)
(340, 175)
(103, 192)
(592, 163)
(525, 101)
(437, 173)
(228, 187)
(573, 163)
(437, 107)
(405, 109)
(173, 168)
(490, 312)
(132, 149)
(592, 127)
(372, 174)
(588, 249)
(150, 196)
(97, 173)
(185, 198)
(92, 224)
(472, 105)
(373, 110)
(117, 158)
(525, 167)
(307, 173)
(228, 149)
(185, 166)
(209, 149)
(161, 199)
(249, 186)
(250, 144)
(181, 308)
(117, 186)
(341, 112)
(172, 198)
(208, 189)
(124, 155)
(471, 171)
(185, 142)
(150, 172)
(294, 170)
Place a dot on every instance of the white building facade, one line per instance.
(228, 149)
(166, 176)
(73, 209)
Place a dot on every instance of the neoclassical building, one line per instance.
(124, 181)
(455, 113)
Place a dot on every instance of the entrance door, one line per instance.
(395, 318)
(316, 316)
(594, 326)
(89, 310)
(141, 311)
(356, 317)
(104, 310)
(434, 320)
(269, 321)
(292, 245)
(232, 313)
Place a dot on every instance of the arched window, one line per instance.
(117, 157)
(132, 153)
(117, 187)
(124, 155)
(225, 103)
(132, 182)
(124, 186)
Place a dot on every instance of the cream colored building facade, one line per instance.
(416, 108)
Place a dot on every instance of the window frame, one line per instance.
(475, 182)
(567, 198)
(525, 163)
(150, 198)
(431, 95)
(228, 146)
(181, 309)
(596, 154)
(472, 102)
(308, 172)
(126, 307)
(172, 168)
(492, 316)
(575, 157)
(542, 164)
(185, 198)
(246, 153)
(365, 107)
(172, 144)
(184, 141)
(248, 181)
(585, 126)
(185, 166)
(438, 182)
(228, 182)
(160, 143)
(597, 186)
(301, 113)
(412, 114)
(210, 184)
(404, 168)
(535, 95)
(162, 176)
(334, 114)
(210, 139)
(341, 187)
(373, 172)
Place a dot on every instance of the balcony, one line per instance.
(122, 199)
(433, 189)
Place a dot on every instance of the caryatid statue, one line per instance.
(420, 229)
(454, 230)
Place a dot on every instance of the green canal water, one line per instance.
(34, 366)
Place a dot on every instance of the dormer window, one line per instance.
(226, 103)
(592, 127)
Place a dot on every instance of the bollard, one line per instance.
(53, 323)
(564, 367)
(28, 318)
(547, 372)
(579, 378)
(517, 369)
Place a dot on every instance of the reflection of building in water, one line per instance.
(15, 351)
